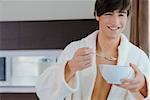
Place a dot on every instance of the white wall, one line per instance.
(46, 10)
(0, 11)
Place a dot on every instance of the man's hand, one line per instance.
(82, 59)
(134, 85)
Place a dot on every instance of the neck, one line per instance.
(107, 44)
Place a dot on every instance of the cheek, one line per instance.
(102, 25)
(123, 24)
(124, 21)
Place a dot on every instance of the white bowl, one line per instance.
(114, 73)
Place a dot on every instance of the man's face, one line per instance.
(112, 23)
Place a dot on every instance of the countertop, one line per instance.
(17, 89)
(19, 85)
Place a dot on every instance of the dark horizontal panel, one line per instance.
(55, 34)
(18, 96)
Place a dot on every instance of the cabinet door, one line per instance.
(9, 35)
(18, 96)
(54, 34)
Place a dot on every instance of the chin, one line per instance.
(113, 36)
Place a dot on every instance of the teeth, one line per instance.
(113, 28)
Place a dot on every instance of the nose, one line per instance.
(115, 20)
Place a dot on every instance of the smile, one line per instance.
(113, 28)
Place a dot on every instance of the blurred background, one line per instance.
(33, 33)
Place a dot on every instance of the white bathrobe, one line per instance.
(52, 85)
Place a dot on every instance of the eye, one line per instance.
(108, 13)
(121, 14)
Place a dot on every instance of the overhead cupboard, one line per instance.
(50, 34)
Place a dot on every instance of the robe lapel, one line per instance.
(123, 50)
(89, 74)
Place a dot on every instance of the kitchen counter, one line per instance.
(19, 84)
(17, 89)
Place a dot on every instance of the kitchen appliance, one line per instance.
(2, 68)
(23, 67)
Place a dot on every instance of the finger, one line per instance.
(85, 51)
(134, 67)
(131, 87)
(87, 62)
(86, 57)
(84, 65)
(88, 65)
(122, 85)
(126, 80)
(82, 60)
(129, 83)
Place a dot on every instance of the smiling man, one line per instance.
(76, 76)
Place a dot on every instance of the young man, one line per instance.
(76, 76)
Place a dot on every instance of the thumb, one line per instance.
(134, 67)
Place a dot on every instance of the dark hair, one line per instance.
(103, 6)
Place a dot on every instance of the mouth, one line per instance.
(113, 28)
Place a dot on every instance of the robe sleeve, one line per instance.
(51, 84)
(144, 64)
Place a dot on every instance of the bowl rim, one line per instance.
(114, 66)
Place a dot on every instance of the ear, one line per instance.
(97, 18)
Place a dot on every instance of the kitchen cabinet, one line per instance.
(52, 34)
(18, 96)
